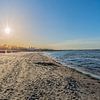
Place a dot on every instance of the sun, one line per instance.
(7, 30)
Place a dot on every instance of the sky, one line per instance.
(55, 24)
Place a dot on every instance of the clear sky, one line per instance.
(57, 24)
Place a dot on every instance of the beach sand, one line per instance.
(33, 76)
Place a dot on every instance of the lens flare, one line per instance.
(7, 30)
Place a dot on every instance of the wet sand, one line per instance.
(33, 76)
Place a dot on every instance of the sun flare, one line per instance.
(7, 30)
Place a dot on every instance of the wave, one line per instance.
(87, 62)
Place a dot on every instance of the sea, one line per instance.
(85, 61)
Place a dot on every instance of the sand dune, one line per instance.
(33, 76)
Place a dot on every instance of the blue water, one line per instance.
(86, 61)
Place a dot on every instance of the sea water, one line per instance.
(85, 61)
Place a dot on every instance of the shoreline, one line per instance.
(33, 76)
(93, 76)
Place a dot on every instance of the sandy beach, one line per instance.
(33, 76)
